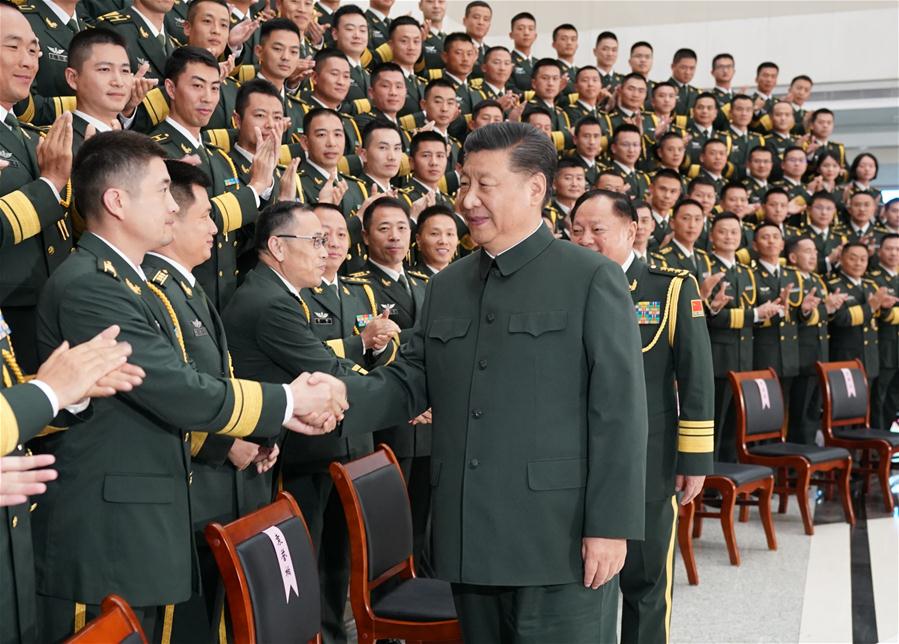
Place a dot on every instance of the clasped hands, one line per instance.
(319, 402)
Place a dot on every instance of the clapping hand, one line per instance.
(810, 302)
(834, 301)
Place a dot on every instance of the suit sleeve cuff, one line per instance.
(288, 412)
(53, 188)
(51, 396)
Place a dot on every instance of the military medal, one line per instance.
(363, 320)
(648, 312)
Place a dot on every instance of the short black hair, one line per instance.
(700, 181)
(427, 136)
(634, 76)
(182, 57)
(570, 162)
(585, 68)
(385, 68)
(184, 177)
(606, 35)
(854, 244)
(278, 24)
(437, 210)
(82, 43)
(438, 82)
(345, 10)
(536, 108)
(726, 216)
(382, 202)
(254, 86)
(494, 49)
(685, 201)
(794, 148)
(822, 195)
(663, 84)
(546, 62)
(530, 151)
(327, 54)
(703, 95)
(475, 4)
(641, 43)
(621, 204)
(759, 148)
(712, 142)
(402, 21)
(767, 224)
(775, 190)
(863, 193)
(522, 15)
(740, 97)
(853, 169)
(192, 7)
(567, 26)
(683, 53)
(722, 56)
(733, 185)
(456, 36)
(484, 105)
(378, 124)
(316, 112)
(584, 121)
(818, 112)
(272, 219)
(110, 159)
(766, 65)
(623, 129)
(802, 77)
(666, 173)
(888, 236)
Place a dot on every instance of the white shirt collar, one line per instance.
(771, 267)
(630, 260)
(855, 280)
(682, 249)
(760, 95)
(888, 271)
(378, 14)
(624, 167)
(290, 287)
(820, 231)
(726, 90)
(318, 168)
(57, 10)
(522, 54)
(259, 75)
(381, 187)
(336, 283)
(660, 219)
(424, 185)
(392, 274)
(716, 177)
(791, 181)
(760, 182)
(246, 154)
(604, 72)
(496, 90)
(240, 15)
(186, 274)
(521, 241)
(183, 130)
(587, 105)
(860, 229)
(150, 25)
(738, 132)
(137, 269)
(99, 125)
(624, 110)
(565, 209)
(590, 162)
(3, 113)
(455, 78)
(727, 262)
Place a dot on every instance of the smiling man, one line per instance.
(522, 468)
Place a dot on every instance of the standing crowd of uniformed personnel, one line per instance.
(314, 154)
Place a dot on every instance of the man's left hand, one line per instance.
(603, 559)
(690, 485)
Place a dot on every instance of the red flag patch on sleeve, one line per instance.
(696, 308)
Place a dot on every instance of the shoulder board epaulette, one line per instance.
(294, 99)
(360, 274)
(162, 137)
(215, 147)
(42, 129)
(834, 280)
(116, 17)
(27, 8)
(476, 83)
(352, 279)
(420, 276)
(106, 266)
(700, 252)
(869, 281)
(875, 273)
(668, 272)
(666, 250)
(657, 256)
(160, 277)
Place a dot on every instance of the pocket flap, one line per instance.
(138, 488)
(538, 322)
(445, 329)
(557, 474)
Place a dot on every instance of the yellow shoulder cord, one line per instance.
(305, 310)
(664, 322)
(168, 308)
(673, 304)
(9, 357)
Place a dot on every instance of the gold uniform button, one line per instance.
(15, 521)
(220, 244)
(221, 274)
(186, 436)
(50, 250)
(190, 478)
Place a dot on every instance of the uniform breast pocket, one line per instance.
(448, 329)
(538, 323)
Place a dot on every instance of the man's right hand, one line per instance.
(24, 476)
(242, 453)
(379, 332)
(319, 401)
(262, 171)
(54, 152)
(76, 373)
(709, 284)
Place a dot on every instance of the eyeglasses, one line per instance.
(318, 241)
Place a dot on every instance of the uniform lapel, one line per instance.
(148, 42)
(61, 34)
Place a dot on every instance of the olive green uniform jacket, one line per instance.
(523, 466)
(118, 519)
(853, 328)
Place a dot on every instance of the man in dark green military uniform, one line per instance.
(54, 25)
(274, 335)
(863, 226)
(126, 470)
(227, 481)
(731, 304)
(683, 69)
(27, 407)
(742, 141)
(523, 34)
(491, 324)
(775, 340)
(433, 12)
(142, 26)
(323, 142)
(606, 54)
(686, 221)
(378, 22)
(677, 365)
(546, 82)
(763, 95)
(35, 230)
(234, 206)
(330, 82)
(821, 212)
(588, 88)
(564, 41)
(350, 31)
(853, 329)
(625, 150)
(885, 398)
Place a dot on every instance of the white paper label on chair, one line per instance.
(850, 382)
(282, 553)
(763, 392)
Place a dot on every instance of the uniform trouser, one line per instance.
(805, 410)
(725, 423)
(885, 399)
(201, 619)
(568, 613)
(58, 619)
(647, 577)
(320, 505)
(417, 473)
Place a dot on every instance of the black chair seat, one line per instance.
(867, 434)
(416, 600)
(741, 473)
(813, 453)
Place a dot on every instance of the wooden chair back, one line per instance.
(116, 624)
(844, 388)
(761, 414)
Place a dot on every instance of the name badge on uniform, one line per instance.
(363, 320)
(198, 328)
(648, 312)
(321, 318)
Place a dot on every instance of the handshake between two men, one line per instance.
(319, 403)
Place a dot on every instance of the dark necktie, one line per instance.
(73, 25)
(13, 124)
(402, 280)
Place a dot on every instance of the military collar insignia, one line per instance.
(633, 286)
(648, 312)
(386, 282)
(188, 291)
(51, 23)
(186, 149)
(109, 268)
(143, 32)
(134, 287)
(161, 276)
(321, 318)
(318, 290)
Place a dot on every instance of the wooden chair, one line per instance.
(733, 482)
(761, 416)
(685, 541)
(846, 422)
(256, 568)
(116, 624)
(388, 600)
